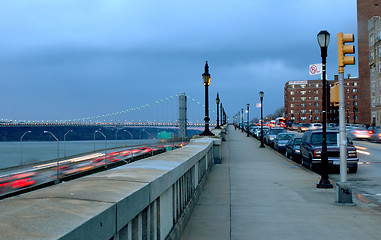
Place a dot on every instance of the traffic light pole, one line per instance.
(343, 189)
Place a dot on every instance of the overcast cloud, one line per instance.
(72, 59)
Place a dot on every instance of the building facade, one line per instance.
(303, 101)
(374, 30)
(366, 9)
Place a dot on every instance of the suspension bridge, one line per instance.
(163, 112)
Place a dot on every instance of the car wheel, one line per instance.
(311, 165)
(353, 169)
(302, 162)
(286, 154)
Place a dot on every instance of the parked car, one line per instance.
(293, 149)
(303, 127)
(269, 137)
(376, 135)
(358, 134)
(311, 148)
(258, 131)
(281, 140)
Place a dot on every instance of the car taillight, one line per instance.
(317, 154)
(370, 132)
(352, 153)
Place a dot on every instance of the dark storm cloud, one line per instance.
(90, 57)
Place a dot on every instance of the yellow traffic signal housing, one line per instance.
(343, 49)
(334, 94)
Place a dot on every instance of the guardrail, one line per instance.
(148, 199)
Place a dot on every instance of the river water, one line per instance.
(21, 153)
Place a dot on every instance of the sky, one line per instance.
(70, 59)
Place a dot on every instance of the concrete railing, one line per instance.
(148, 199)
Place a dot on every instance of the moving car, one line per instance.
(311, 150)
(293, 149)
(281, 140)
(303, 127)
(375, 136)
(358, 134)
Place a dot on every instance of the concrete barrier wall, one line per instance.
(147, 199)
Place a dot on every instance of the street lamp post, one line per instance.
(99, 131)
(58, 152)
(21, 143)
(347, 114)
(206, 78)
(261, 93)
(247, 120)
(242, 119)
(218, 113)
(354, 115)
(65, 142)
(323, 40)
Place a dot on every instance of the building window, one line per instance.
(316, 98)
(291, 92)
(354, 96)
(379, 67)
(373, 102)
(303, 92)
(373, 87)
(292, 99)
(303, 98)
(354, 103)
(355, 84)
(371, 56)
(355, 90)
(303, 111)
(316, 118)
(317, 111)
(371, 40)
(303, 86)
(316, 91)
(292, 111)
(316, 104)
(292, 105)
(347, 90)
(317, 85)
(372, 71)
(302, 105)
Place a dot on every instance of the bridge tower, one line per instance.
(182, 115)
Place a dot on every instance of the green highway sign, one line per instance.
(164, 135)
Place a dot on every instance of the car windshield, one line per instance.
(317, 139)
(298, 141)
(285, 136)
(276, 131)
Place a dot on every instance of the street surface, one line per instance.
(367, 180)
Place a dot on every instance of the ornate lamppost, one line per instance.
(206, 79)
(218, 103)
(323, 40)
(247, 120)
(242, 119)
(261, 93)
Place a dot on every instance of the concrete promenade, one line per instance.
(259, 194)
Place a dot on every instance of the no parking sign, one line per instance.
(315, 69)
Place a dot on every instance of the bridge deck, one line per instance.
(259, 194)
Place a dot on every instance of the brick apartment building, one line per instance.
(366, 9)
(303, 101)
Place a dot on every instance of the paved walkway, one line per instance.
(259, 194)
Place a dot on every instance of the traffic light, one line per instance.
(343, 49)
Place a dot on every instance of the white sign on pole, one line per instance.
(258, 105)
(315, 69)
